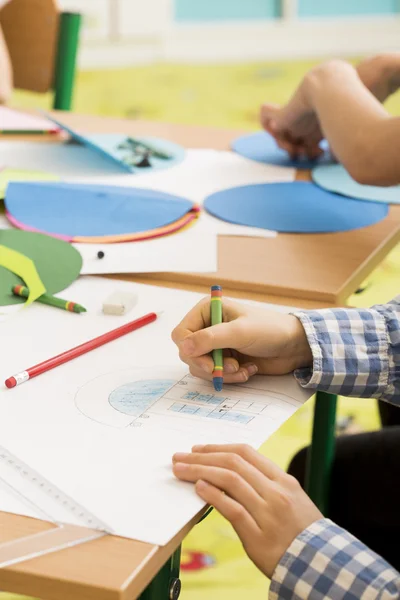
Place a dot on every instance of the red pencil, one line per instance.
(79, 350)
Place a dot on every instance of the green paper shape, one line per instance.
(24, 267)
(8, 174)
(57, 262)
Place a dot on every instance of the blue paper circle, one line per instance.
(75, 210)
(336, 179)
(298, 207)
(262, 147)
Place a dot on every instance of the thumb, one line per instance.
(208, 339)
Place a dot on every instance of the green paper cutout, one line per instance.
(24, 267)
(57, 262)
(7, 175)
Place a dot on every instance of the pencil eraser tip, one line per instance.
(11, 382)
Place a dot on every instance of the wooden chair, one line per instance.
(43, 44)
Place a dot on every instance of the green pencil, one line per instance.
(20, 290)
(216, 319)
(26, 132)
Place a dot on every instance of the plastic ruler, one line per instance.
(50, 504)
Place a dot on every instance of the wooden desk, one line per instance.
(323, 267)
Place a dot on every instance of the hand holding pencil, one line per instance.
(254, 340)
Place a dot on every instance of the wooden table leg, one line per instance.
(166, 585)
(321, 452)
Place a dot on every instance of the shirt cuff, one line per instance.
(350, 349)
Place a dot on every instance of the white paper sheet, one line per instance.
(205, 172)
(111, 450)
(186, 251)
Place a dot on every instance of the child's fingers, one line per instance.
(224, 335)
(226, 480)
(242, 522)
(206, 364)
(197, 318)
(226, 460)
(240, 376)
(247, 453)
(314, 152)
(268, 113)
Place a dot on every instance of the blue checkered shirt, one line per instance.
(325, 562)
(356, 352)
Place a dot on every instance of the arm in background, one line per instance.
(342, 104)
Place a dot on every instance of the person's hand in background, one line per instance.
(267, 507)
(256, 340)
(295, 125)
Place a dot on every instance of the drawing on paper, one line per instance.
(136, 397)
(130, 398)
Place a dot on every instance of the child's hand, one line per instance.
(295, 126)
(256, 341)
(267, 508)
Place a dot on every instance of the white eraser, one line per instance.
(119, 303)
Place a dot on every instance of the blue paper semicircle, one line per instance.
(262, 147)
(297, 207)
(336, 179)
(76, 210)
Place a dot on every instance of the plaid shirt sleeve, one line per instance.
(327, 563)
(356, 352)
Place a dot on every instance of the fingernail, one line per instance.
(201, 485)
(180, 456)
(197, 448)
(207, 367)
(180, 467)
(230, 368)
(244, 375)
(187, 347)
(252, 369)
